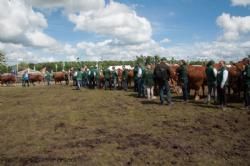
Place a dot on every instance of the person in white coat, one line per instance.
(222, 80)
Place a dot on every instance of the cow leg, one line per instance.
(197, 96)
(203, 90)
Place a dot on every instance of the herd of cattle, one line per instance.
(196, 77)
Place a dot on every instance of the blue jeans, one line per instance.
(140, 85)
(165, 88)
(78, 84)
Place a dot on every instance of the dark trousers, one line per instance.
(247, 95)
(185, 90)
(92, 83)
(78, 82)
(221, 92)
(84, 82)
(125, 84)
(140, 87)
(165, 88)
(26, 82)
(135, 85)
(106, 84)
(48, 82)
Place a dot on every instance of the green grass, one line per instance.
(60, 126)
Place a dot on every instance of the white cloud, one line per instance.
(233, 26)
(116, 20)
(21, 24)
(240, 2)
(19, 53)
(166, 40)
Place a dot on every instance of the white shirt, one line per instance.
(139, 74)
(224, 79)
(215, 72)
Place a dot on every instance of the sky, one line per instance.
(64, 30)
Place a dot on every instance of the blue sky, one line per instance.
(122, 29)
(182, 21)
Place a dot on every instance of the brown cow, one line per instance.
(130, 77)
(7, 79)
(61, 76)
(35, 77)
(196, 79)
(235, 80)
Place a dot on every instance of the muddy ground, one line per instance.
(60, 126)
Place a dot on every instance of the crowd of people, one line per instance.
(147, 78)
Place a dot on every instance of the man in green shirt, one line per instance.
(136, 77)
(78, 79)
(125, 79)
(183, 79)
(246, 80)
(114, 77)
(48, 77)
(107, 78)
(222, 79)
(211, 74)
(149, 82)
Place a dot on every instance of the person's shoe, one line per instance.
(170, 104)
(223, 108)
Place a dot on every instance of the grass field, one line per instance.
(60, 126)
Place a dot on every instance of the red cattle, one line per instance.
(130, 77)
(7, 79)
(61, 76)
(197, 79)
(35, 77)
(235, 80)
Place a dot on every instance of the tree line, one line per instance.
(61, 65)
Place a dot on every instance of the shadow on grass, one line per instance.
(147, 102)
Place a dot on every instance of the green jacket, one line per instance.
(114, 74)
(79, 76)
(48, 76)
(182, 72)
(246, 76)
(125, 74)
(211, 78)
(135, 72)
(149, 77)
(84, 75)
(106, 74)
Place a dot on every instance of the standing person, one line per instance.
(211, 74)
(106, 79)
(26, 79)
(246, 80)
(183, 79)
(78, 79)
(92, 77)
(84, 77)
(114, 77)
(136, 77)
(140, 88)
(48, 77)
(162, 74)
(125, 79)
(222, 79)
(149, 82)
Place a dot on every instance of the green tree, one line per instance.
(3, 66)
(157, 59)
